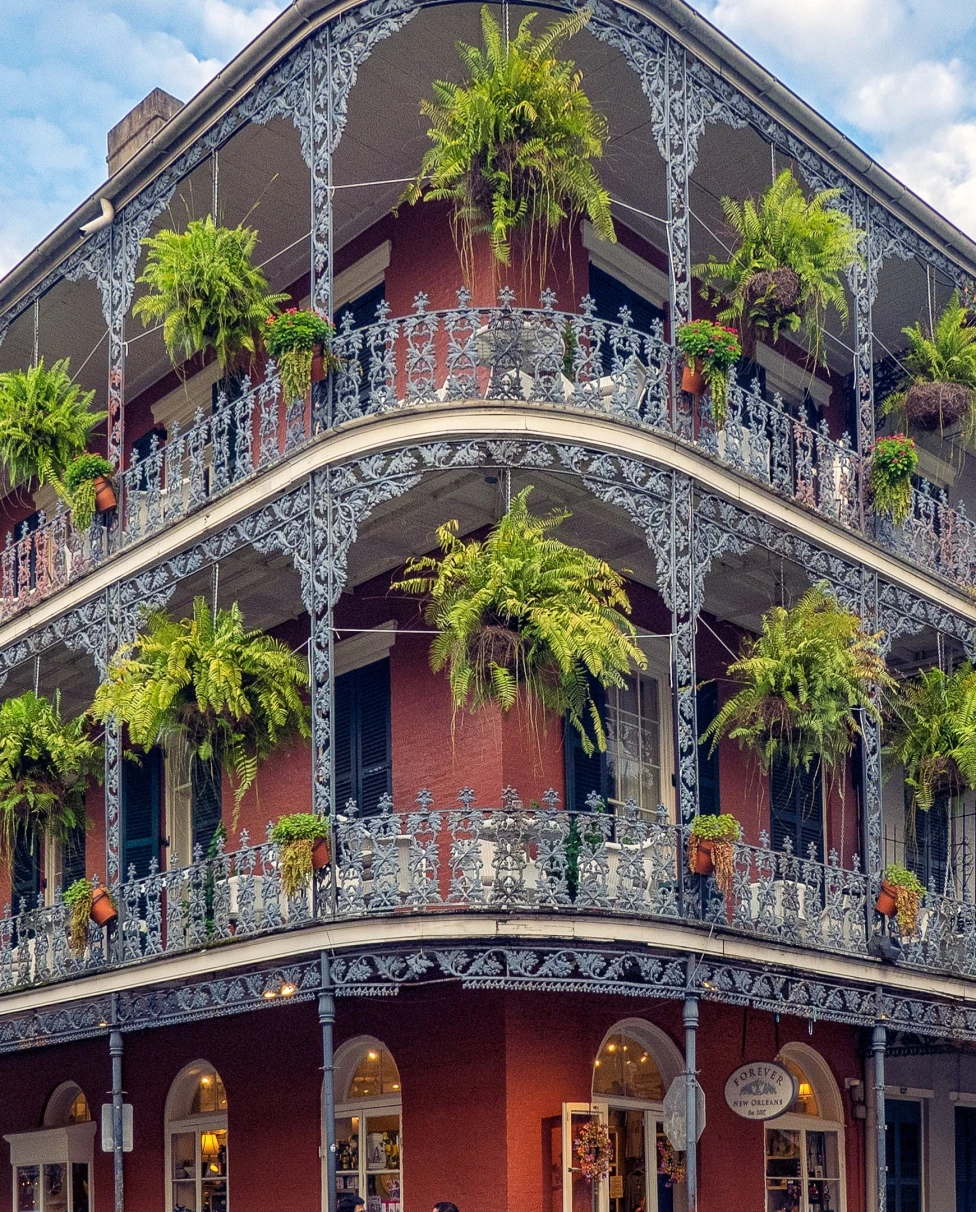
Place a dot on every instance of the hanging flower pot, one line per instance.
(89, 488)
(321, 855)
(102, 909)
(105, 498)
(701, 856)
(773, 294)
(901, 886)
(299, 343)
(894, 461)
(692, 378)
(87, 903)
(711, 848)
(303, 847)
(710, 350)
(936, 406)
(939, 388)
(887, 902)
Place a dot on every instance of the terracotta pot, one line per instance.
(320, 854)
(318, 370)
(102, 910)
(692, 379)
(105, 497)
(702, 858)
(887, 902)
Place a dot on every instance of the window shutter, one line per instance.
(796, 808)
(73, 857)
(25, 874)
(927, 845)
(709, 803)
(585, 774)
(343, 727)
(746, 374)
(206, 786)
(375, 775)
(140, 812)
(609, 295)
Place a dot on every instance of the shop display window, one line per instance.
(804, 1147)
(368, 1125)
(196, 1142)
(52, 1167)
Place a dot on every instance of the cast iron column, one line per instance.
(691, 1102)
(115, 1051)
(327, 1019)
(878, 1047)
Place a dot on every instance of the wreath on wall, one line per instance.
(594, 1150)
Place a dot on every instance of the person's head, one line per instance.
(351, 1203)
(445, 1206)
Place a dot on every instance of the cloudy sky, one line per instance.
(896, 75)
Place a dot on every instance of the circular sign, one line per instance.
(760, 1090)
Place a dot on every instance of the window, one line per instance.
(638, 760)
(52, 1168)
(196, 1142)
(609, 295)
(805, 1147)
(965, 1159)
(903, 1155)
(194, 790)
(64, 862)
(796, 808)
(363, 766)
(25, 874)
(927, 842)
(367, 1125)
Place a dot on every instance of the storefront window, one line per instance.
(626, 1067)
(52, 1167)
(368, 1127)
(197, 1152)
(804, 1150)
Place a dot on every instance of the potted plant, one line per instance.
(786, 269)
(928, 731)
(941, 366)
(522, 612)
(303, 847)
(87, 902)
(294, 339)
(901, 894)
(894, 461)
(710, 351)
(711, 848)
(89, 487)
(45, 421)
(206, 291)
(513, 145)
(804, 681)
(235, 694)
(45, 764)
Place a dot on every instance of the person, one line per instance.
(445, 1205)
(351, 1203)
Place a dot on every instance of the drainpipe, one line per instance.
(691, 1102)
(327, 1020)
(879, 1042)
(115, 1051)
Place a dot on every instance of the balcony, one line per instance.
(497, 354)
(507, 859)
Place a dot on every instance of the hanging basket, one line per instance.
(772, 294)
(934, 406)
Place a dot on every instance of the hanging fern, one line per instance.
(45, 764)
(206, 291)
(785, 272)
(45, 421)
(523, 611)
(235, 694)
(804, 680)
(514, 145)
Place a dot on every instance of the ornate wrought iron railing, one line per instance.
(502, 353)
(466, 858)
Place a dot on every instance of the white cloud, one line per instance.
(942, 170)
(904, 103)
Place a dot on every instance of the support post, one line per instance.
(115, 1051)
(691, 1101)
(327, 1021)
(879, 1043)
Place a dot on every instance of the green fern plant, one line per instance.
(940, 387)
(235, 694)
(206, 291)
(521, 610)
(45, 421)
(785, 272)
(929, 730)
(804, 681)
(45, 764)
(513, 146)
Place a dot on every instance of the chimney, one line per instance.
(138, 127)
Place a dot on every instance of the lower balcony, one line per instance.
(509, 859)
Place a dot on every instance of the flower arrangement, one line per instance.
(717, 349)
(893, 463)
(88, 481)
(670, 1163)
(290, 338)
(594, 1150)
(905, 889)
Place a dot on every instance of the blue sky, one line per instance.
(899, 76)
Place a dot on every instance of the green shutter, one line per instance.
(206, 787)
(363, 749)
(585, 774)
(709, 802)
(141, 781)
(796, 808)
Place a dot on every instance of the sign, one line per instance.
(108, 1136)
(675, 1105)
(760, 1090)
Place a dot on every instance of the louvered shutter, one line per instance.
(927, 841)
(73, 857)
(375, 776)
(709, 802)
(609, 295)
(796, 808)
(205, 797)
(363, 312)
(585, 774)
(342, 731)
(140, 812)
(25, 874)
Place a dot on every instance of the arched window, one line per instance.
(632, 1071)
(52, 1168)
(196, 1141)
(805, 1147)
(67, 1105)
(368, 1135)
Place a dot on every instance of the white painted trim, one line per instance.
(627, 267)
(964, 1098)
(75, 1142)
(789, 379)
(364, 649)
(910, 1093)
(361, 276)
